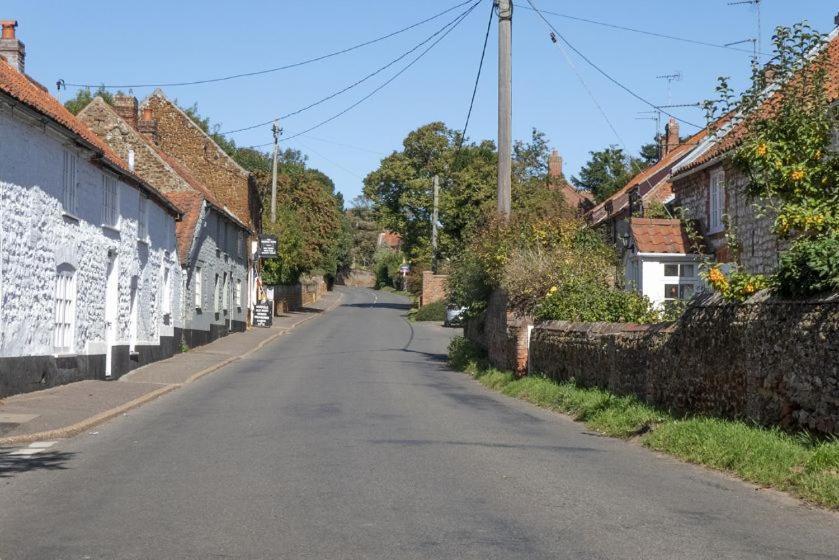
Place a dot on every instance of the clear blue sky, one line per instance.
(164, 40)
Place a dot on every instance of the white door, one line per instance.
(111, 306)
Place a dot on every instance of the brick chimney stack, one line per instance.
(12, 49)
(126, 107)
(148, 124)
(555, 166)
(671, 136)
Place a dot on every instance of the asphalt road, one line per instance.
(349, 438)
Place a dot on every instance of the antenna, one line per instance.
(758, 42)
(674, 77)
(653, 116)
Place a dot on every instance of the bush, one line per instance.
(809, 266)
(386, 265)
(463, 354)
(432, 312)
(577, 300)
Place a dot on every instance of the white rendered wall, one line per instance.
(36, 237)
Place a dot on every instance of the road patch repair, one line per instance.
(68, 410)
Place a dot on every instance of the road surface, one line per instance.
(349, 438)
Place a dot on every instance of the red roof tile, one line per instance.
(190, 203)
(659, 236)
(21, 88)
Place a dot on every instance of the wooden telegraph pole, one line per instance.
(275, 128)
(434, 217)
(505, 104)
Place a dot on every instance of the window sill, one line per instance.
(65, 354)
(114, 229)
(71, 217)
(143, 241)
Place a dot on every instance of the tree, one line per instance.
(84, 96)
(364, 231)
(607, 171)
(649, 153)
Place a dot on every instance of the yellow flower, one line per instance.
(762, 149)
(750, 289)
(797, 175)
(817, 155)
(553, 290)
(715, 276)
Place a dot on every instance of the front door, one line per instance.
(111, 306)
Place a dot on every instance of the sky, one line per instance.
(554, 89)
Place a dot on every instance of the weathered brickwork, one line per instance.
(750, 224)
(770, 361)
(433, 287)
(502, 334)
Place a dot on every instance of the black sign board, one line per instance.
(267, 246)
(262, 316)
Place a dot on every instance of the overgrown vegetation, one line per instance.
(798, 464)
(386, 265)
(432, 312)
(786, 130)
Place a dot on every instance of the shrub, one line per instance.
(386, 265)
(432, 312)
(809, 266)
(577, 300)
(737, 285)
(463, 353)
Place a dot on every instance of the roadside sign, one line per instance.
(405, 269)
(262, 316)
(267, 246)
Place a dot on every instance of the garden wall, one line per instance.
(770, 361)
(501, 333)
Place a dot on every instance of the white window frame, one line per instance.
(70, 182)
(716, 202)
(216, 299)
(225, 296)
(110, 201)
(143, 218)
(166, 284)
(65, 309)
(197, 287)
(238, 294)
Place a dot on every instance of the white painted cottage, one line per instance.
(89, 273)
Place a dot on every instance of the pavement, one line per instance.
(349, 438)
(67, 410)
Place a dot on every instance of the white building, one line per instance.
(659, 261)
(89, 276)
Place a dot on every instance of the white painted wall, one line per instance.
(645, 274)
(36, 237)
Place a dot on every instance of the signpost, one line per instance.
(262, 316)
(267, 246)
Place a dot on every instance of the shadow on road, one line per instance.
(11, 465)
(425, 442)
(402, 306)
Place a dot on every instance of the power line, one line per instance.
(477, 81)
(278, 68)
(351, 146)
(384, 84)
(641, 31)
(333, 162)
(352, 85)
(603, 72)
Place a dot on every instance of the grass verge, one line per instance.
(795, 463)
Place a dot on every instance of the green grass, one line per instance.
(796, 463)
(432, 312)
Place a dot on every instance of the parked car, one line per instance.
(454, 316)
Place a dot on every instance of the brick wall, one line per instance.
(501, 333)
(753, 229)
(770, 361)
(433, 287)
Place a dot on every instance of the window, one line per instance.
(216, 302)
(679, 270)
(225, 294)
(70, 182)
(716, 204)
(166, 306)
(65, 308)
(196, 287)
(671, 270)
(110, 203)
(686, 291)
(238, 295)
(143, 218)
(671, 291)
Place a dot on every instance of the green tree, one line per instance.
(364, 231)
(649, 153)
(607, 171)
(84, 96)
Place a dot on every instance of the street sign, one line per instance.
(267, 246)
(262, 316)
(405, 269)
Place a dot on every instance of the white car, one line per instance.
(454, 316)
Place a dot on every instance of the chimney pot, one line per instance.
(148, 124)
(12, 49)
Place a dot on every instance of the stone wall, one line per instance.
(753, 229)
(357, 279)
(294, 297)
(433, 287)
(501, 333)
(769, 361)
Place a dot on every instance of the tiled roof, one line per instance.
(21, 88)
(732, 138)
(620, 199)
(389, 239)
(659, 236)
(190, 202)
(575, 198)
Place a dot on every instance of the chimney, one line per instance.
(11, 48)
(554, 166)
(126, 107)
(148, 124)
(671, 135)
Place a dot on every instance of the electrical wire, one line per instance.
(357, 83)
(642, 31)
(477, 81)
(384, 84)
(603, 72)
(278, 68)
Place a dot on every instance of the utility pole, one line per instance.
(275, 128)
(434, 215)
(505, 104)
